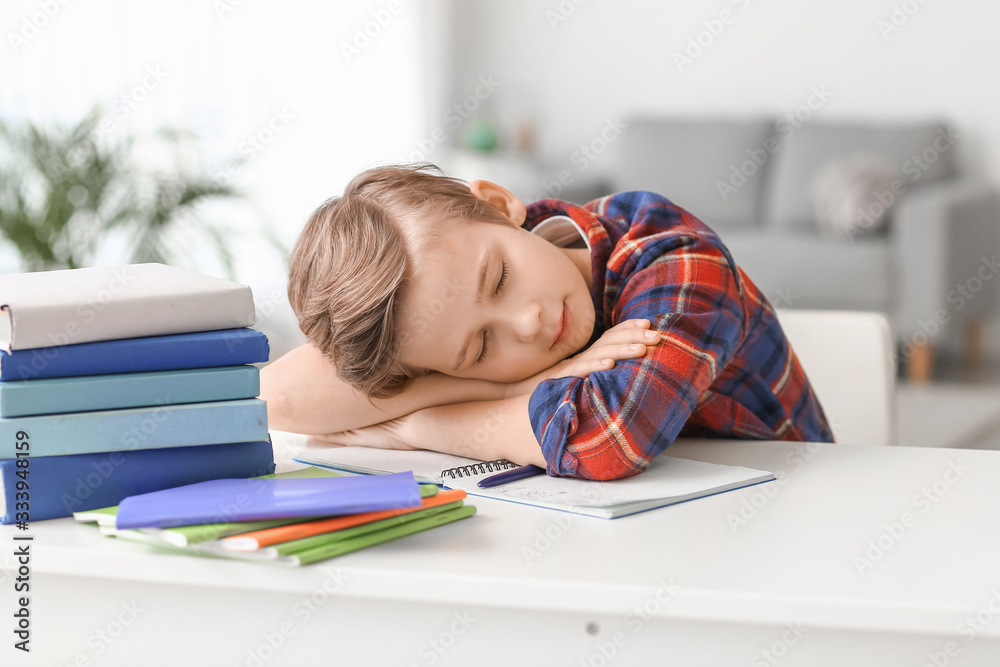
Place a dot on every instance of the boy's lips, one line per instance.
(565, 322)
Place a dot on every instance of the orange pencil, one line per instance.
(263, 538)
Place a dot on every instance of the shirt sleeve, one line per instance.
(675, 272)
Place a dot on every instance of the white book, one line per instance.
(668, 479)
(54, 308)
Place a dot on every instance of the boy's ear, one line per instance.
(501, 199)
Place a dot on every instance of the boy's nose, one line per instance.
(528, 322)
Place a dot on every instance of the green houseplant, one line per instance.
(67, 192)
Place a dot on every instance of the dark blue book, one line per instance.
(57, 486)
(203, 349)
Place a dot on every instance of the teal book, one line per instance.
(212, 423)
(23, 398)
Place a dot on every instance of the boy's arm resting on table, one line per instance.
(501, 428)
(484, 430)
(304, 394)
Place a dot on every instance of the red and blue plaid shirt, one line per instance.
(723, 368)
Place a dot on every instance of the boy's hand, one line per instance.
(614, 345)
(390, 434)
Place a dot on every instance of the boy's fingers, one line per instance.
(622, 351)
(648, 336)
(640, 323)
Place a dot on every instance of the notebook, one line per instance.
(262, 499)
(667, 481)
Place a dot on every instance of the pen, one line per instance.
(510, 476)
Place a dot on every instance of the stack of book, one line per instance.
(117, 381)
(317, 515)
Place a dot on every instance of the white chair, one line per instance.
(849, 358)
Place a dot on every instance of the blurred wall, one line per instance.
(578, 62)
(577, 67)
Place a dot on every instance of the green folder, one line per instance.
(341, 547)
(322, 549)
(313, 541)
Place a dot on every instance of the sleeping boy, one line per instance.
(584, 339)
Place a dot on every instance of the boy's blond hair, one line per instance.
(352, 261)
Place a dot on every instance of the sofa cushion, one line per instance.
(804, 270)
(847, 196)
(695, 162)
(921, 153)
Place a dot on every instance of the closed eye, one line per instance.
(500, 284)
(503, 278)
(482, 355)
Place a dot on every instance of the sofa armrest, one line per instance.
(945, 239)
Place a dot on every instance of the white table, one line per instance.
(517, 585)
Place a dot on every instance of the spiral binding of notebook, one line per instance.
(495, 465)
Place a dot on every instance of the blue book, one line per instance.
(57, 486)
(23, 398)
(229, 500)
(227, 347)
(182, 425)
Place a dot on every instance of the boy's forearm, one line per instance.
(304, 394)
(485, 430)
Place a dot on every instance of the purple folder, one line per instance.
(232, 500)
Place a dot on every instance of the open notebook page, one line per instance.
(666, 477)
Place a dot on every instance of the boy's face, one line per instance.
(545, 294)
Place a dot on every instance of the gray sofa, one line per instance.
(754, 182)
